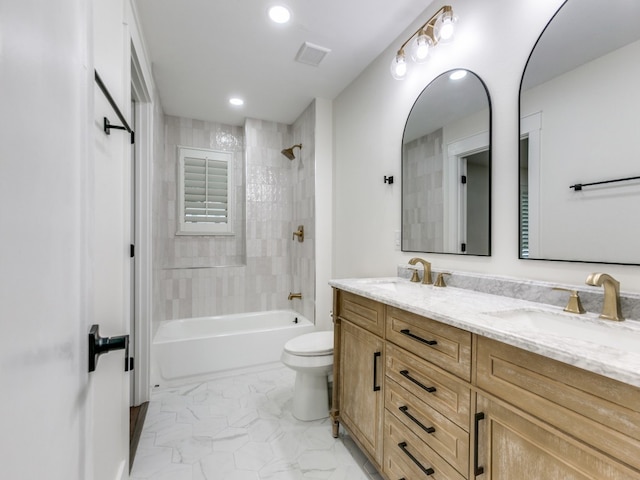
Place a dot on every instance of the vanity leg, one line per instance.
(335, 424)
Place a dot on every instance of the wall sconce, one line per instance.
(438, 29)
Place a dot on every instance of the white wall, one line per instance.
(324, 212)
(596, 148)
(493, 39)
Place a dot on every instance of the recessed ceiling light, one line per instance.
(458, 74)
(236, 101)
(279, 14)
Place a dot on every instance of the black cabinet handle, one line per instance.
(408, 333)
(477, 469)
(376, 355)
(405, 373)
(99, 345)
(404, 409)
(427, 471)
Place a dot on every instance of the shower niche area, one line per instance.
(262, 262)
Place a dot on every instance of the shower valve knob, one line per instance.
(299, 233)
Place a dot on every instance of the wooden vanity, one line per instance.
(424, 399)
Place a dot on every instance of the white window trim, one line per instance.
(204, 228)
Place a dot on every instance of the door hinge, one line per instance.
(130, 363)
(463, 179)
(132, 250)
(463, 247)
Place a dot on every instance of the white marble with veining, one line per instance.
(488, 315)
(238, 425)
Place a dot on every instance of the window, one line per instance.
(205, 192)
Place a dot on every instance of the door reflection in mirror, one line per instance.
(446, 169)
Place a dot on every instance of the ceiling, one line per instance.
(205, 51)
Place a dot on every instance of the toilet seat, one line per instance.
(314, 344)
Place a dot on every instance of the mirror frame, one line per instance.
(490, 162)
(520, 123)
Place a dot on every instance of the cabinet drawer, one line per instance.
(362, 311)
(444, 345)
(598, 410)
(406, 456)
(438, 389)
(441, 434)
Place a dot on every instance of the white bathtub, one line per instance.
(196, 347)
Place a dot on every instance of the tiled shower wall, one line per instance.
(303, 176)
(252, 270)
(423, 195)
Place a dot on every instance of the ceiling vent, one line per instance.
(311, 54)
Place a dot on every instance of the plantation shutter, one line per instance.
(205, 192)
(524, 223)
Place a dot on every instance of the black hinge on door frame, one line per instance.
(463, 247)
(130, 363)
(463, 179)
(132, 250)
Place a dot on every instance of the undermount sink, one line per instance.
(619, 335)
(384, 283)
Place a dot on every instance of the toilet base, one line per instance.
(310, 397)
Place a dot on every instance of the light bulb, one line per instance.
(420, 48)
(458, 74)
(279, 14)
(444, 27)
(399, 66)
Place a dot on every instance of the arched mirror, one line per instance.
(446, 168)
(580, 136)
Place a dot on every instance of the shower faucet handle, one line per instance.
(299, 233)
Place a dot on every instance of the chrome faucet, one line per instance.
(294, 295)
(611, 303)
(426, 276)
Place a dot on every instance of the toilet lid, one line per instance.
(311, 344)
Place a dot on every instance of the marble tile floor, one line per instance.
(238, 426)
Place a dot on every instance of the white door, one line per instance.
(109, 383)
(110, 227)
(61, 257)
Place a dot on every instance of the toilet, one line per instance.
(311, 356)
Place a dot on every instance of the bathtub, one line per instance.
(196, 347)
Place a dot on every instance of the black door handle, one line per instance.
(404, 409)
(408, 333)
(99, 345)
(477, 469)
(427, 471)
(405, 374)
(376, 355)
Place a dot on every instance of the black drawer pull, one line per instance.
(427, 471)
(376, 355)
(477, 470)
(408, 333)
(404, 409)
(405, 373)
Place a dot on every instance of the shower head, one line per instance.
(288, 152)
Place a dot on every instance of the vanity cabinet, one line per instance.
(421, 397)
(601, 413)
(427, 398)
(361, 371)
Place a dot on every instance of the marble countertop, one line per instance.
(605, 347)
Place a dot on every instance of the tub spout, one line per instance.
(294, 295)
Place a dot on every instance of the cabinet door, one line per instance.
(362, 373)
(512, 445)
